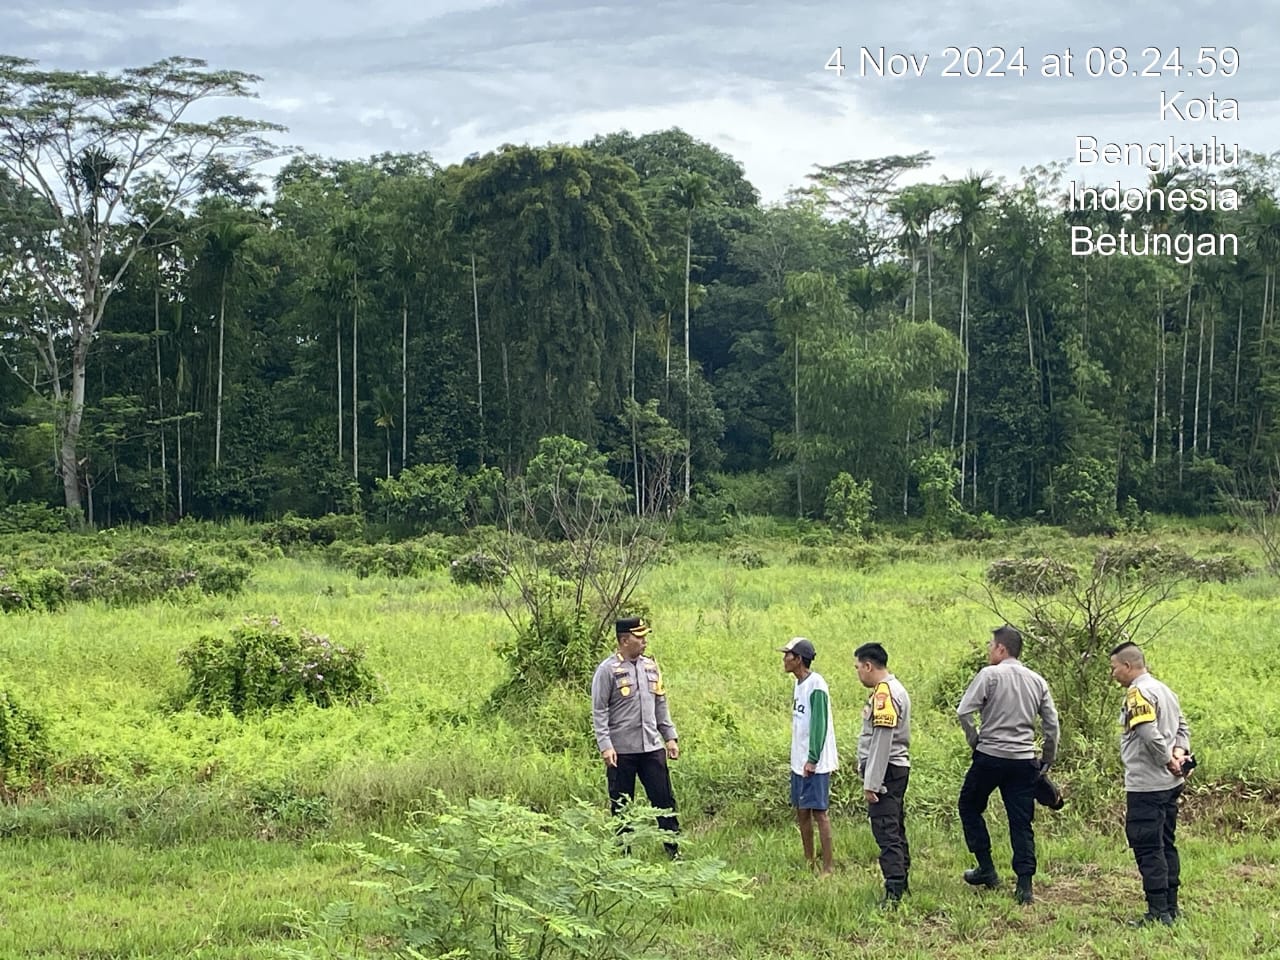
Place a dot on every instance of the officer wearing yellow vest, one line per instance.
(1155, 745)
(885, 765)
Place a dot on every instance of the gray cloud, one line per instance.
(458, 76)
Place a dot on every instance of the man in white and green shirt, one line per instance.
(813, 749)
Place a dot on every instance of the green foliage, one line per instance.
(41, 589)
(426, 496)
(138, 574)
(497, 880)
(848, 505)
(410, 558)
(263, 665)
(560, 642)
(477, 569)
(567, 477)
(754, 493)
(24, 747)
(1152, 559)
(293, 530)
(29, 517)
(1083, 494)
(1040, 575)
(937, 477)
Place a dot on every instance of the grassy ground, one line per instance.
(167, 834)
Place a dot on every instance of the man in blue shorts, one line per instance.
(813, 749)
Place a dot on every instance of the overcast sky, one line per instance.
(455, 77)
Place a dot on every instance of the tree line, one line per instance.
(182, 336)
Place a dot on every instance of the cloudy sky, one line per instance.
(455, 77)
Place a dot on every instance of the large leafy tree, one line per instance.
(92, 146)
(565, 245)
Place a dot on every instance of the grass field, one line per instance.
(164, 833)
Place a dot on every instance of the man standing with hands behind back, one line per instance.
(632, 725)
(1008, 697)
(813, 749)
(1154, 746)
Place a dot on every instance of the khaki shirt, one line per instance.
(629, 706)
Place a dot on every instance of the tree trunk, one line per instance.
(69, 462)
(1195, 409)
(1182, 402)
(1208, 407)
(338, 355)
(475, 302)
(217, 418)
(688, 396)
(799, 459)
(635, 443)
(355, 357)
(404, 386)
(164, 466)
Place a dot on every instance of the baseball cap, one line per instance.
(635, 625)
(801, 647)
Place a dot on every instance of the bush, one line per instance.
(408, 559)
(1039, 576)
(493, 879)
(1158, 560)
(477, 569)
(24, 749)
(144, 573)
(425, 496)
(1083, 494)
(262, 666)
(292, 530)
(29, 517)
(41, 589)
(848, 504)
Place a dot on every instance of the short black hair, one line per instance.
(1009, 638)
(872, 653)
(1130, 653)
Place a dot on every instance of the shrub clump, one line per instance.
(141, 574)
(1154, 559)
(292, 530)
(1037, 576)
(262, 665)
(41, 589)
(412, 558)
(24, 748)
(477, 569)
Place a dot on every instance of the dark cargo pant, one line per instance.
(888, 825)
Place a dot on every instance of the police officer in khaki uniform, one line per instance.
(1154, 746)
(885, 766)
(632, 725)
(1007, 697)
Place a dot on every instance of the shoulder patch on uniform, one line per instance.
(1137, 708)
(883, 711)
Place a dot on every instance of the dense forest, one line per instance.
(182, 336)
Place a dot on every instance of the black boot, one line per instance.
(985, 875)
(1157, 910)
(893, 891)
(1174, 912)
(1022, 892)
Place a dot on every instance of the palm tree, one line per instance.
(351, 241)
(222, 250)
(384, 404)
(692, 190)
(968, 199)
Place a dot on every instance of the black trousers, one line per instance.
(888, 825)
(1016, 780)
(1150, 822)
(652, 770)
